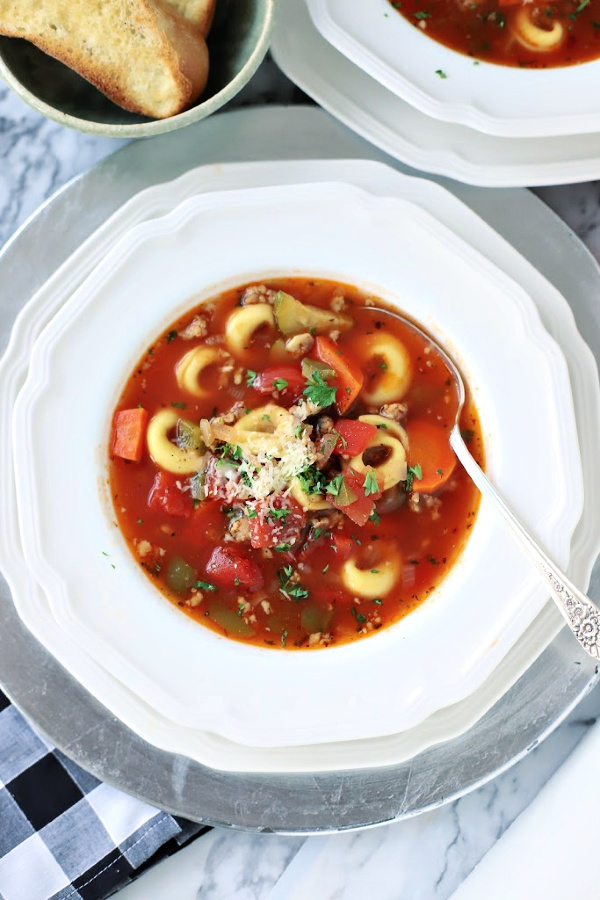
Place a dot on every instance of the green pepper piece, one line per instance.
(314, 618)
(188, 436)
(310, 366)
(180, 576)
(230, 621)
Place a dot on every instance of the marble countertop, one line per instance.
(419, 859)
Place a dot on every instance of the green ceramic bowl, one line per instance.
(238, 42)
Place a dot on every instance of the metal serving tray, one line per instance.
(83, 728)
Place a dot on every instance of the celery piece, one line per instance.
(180, 576)
(294, 317)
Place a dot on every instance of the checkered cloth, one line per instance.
(64, 835)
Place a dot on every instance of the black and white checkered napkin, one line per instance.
(63, 834)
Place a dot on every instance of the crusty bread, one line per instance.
(200, 12)
(142, 54)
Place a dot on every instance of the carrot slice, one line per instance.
(430, 453)
(129, 432)
(349, 376)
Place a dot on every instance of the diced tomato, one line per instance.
(287, 380)
(354, 436)
(129, 431)
(277, 521)
(231, 566)
(361, 508)
(344, 546)
(429, 451)
(166, 497)
(349, 378)
(206, 523)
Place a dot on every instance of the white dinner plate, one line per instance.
(443, 650)
(511, 101)
(32, 603)
(407, 134)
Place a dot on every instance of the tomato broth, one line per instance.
(280, 465)
(510, 32)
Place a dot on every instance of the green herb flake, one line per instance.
(280, 384)
(374, 571)
(375, 517)
(283, 548)
(325, 568)
(171, 336)
(341, 438)
(318, 391)
(279, 513)
(433, 561)
(370, 485)
(421, 15)
(412, 473)
(206, 586)
(360, 617)
(335, 485)
(250, 377)
(178, 404)
(467, 435)
(241, 608)
(139, 521)
(378, 601)
(441, 73)
(440, 472)
(284, 635)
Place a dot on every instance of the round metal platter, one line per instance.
(313, 803)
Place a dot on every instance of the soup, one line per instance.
(511, 32)
(280, 465)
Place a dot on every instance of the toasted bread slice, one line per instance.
(142, 54)
(200, 12)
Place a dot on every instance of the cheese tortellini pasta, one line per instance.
(166, 454)
(391, 441)
(244, 323)
(393, 369)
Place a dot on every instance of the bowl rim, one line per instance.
(155, 126)
(141, 231)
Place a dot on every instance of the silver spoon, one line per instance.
(581, 615)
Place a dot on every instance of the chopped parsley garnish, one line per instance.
(279, 513)
(382, 426)
(433, 560)
(421, 14)
(412, 473)
(370, 485)
(375, 517)
(440, 472)
(280, 384)
(579, 9)
(250, 377)
(383, 365)
(206, 586)
(335, 485)
(178, 404)
(282, 548)
(266, 417)
(252, 514)
(241, 609)
(298, 431)
(317, 533)
(360, 617)
(441, 73)
(318, 391)
(171, 336)
(467, 435)
(290, 588)
(231, 451)
(378, 601)
(312, 480)
(139, 521)
(374, 571)
(325, 568)
(284, 635)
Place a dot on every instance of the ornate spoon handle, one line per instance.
(582, 616)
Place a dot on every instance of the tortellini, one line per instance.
(243, 324)
(190, 368)
(374, 580)
(392, 440)
(163, 451)
(394, 369)
(532, 36)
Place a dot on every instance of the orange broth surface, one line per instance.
(292, 593)
(510, 32)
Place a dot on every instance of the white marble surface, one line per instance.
(425, 858)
